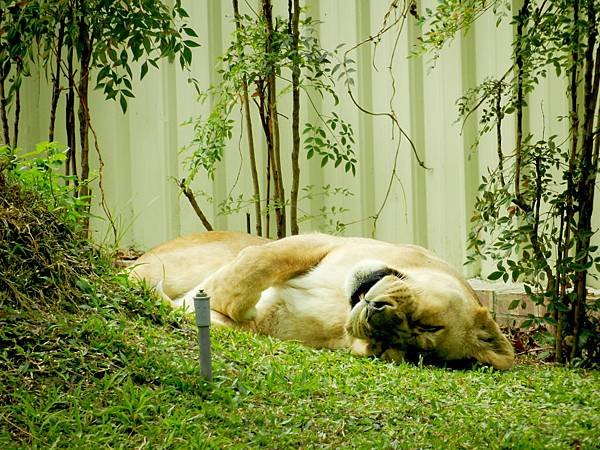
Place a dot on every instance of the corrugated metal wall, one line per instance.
(430, 206)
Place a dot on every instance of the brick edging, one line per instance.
(497, 297)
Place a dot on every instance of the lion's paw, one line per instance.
(227, 300)
(393, 355)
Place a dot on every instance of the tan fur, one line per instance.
(181, 263)
(300, 287)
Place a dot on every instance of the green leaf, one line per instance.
(112, 54)
(147, 44)
(123, 103)
(189, 32)
(557, 68)
(495, 275)
(102, 74)
(527, 323)
(187, 56)
(143, 70)
(514, 304)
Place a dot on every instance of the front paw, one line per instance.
(244, 315)
(393, 355)
(377, 349)
(229, 300)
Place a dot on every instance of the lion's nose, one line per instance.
(379, 305)
(376, 310)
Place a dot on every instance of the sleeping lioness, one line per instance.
(376, 298)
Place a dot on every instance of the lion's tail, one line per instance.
(158, 289)
(185, 302)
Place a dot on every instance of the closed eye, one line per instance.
(429, 328)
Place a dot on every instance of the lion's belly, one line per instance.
(315, 316)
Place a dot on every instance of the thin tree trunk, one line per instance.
(522, 18)
(17, 117)
(560, 286)
(85, 41)
(273, 123)
(251, 149)
(56, 80)
(268, 189)
(83, 112)
(3, 112)
(71, 166)
(295, 15)
(499, 133)
(264, 121)
(192, 199)
(277, 173)
(560, 316)
(596, 134)
(534, 236)
(252, 156)
(586, 182)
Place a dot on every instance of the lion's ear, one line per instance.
(490, 346)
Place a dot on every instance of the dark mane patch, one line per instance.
(369, 281)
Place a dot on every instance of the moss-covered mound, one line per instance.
(58, 295)
(43, 262)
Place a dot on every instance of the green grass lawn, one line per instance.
(124, 373)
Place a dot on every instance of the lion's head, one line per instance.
(423, 310)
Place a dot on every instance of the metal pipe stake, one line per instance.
(202, 309)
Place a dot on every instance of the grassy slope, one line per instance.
(122, 372)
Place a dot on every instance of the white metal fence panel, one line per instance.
(432, 207)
